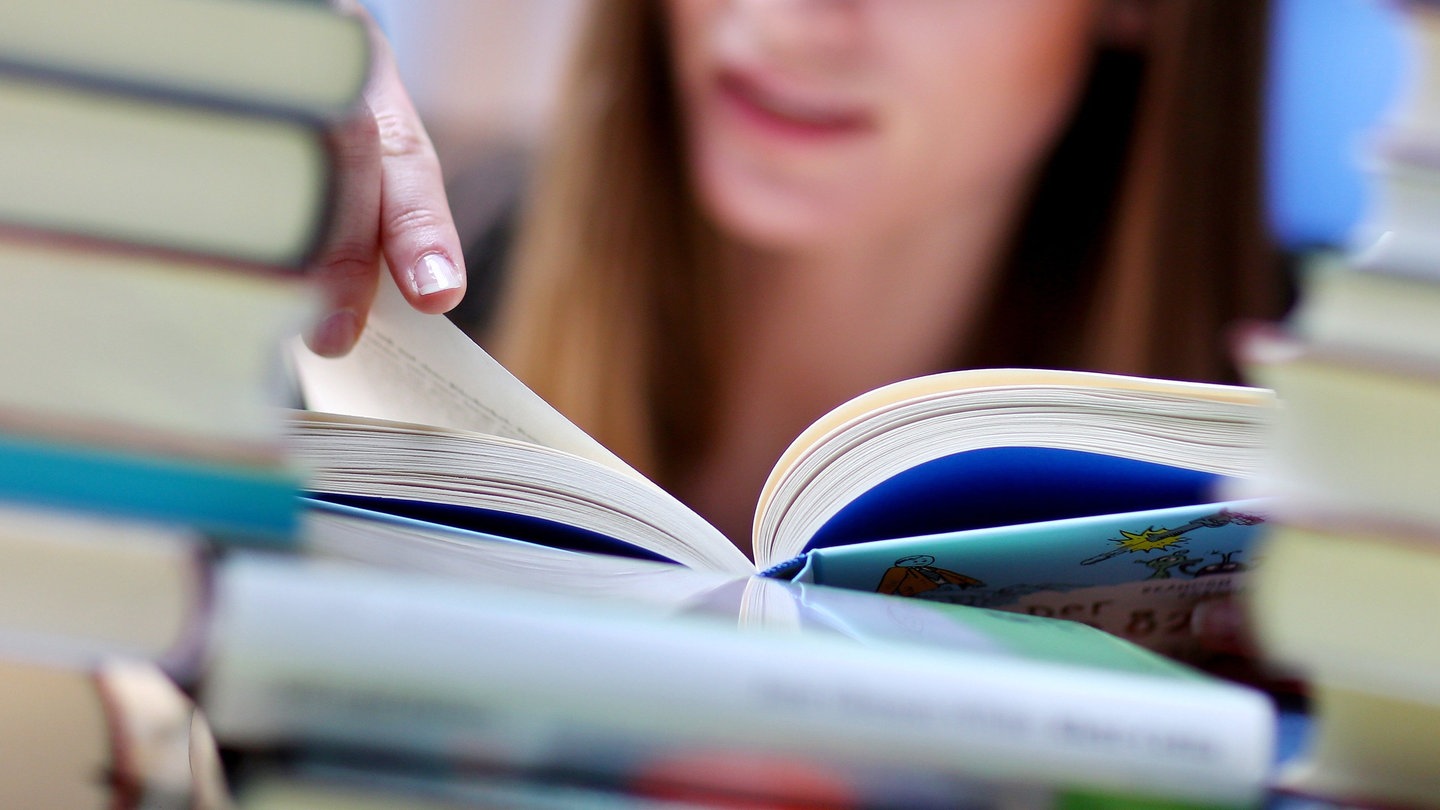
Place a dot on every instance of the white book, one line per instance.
(329, 654)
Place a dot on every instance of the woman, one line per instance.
(752, 210)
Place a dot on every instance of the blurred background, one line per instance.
(483, 72)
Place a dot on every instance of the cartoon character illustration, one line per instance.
(1161, 566)
(1153, 539)
(1225, 566)
(917, 574)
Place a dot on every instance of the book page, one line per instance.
(898, 394)
(413, 367)
(397, 543)
(1216, 429)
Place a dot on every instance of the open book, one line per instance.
(419, 421)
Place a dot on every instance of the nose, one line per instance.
(801, 33)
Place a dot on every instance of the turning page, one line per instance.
(423, 369)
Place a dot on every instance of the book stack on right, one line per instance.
(167, 169)
(1347, 594)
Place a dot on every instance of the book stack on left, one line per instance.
(1347, 595)
(166, 171)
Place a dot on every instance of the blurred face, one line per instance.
(809, 122)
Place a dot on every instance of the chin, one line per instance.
(771, 217)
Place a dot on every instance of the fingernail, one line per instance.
(434, 273)
(336, 334)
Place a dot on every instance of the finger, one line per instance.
(347, 265)
(1221, 626)
(417, 234)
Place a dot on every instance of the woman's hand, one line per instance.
(392, 204)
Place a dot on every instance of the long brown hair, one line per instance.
(1146, 239)
(1143, 241)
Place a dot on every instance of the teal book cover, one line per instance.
(1135, 574)
(255, 506)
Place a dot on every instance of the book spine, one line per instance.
(318, 178)
(256, 506)
(83, 589)
(308, 780)
(157, 90)
(436, 669)
(258, 450)
(1357, 636)
(39, 239)
(1370, 749)
(1356, 431)
(232, 53)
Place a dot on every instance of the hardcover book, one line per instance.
(300, 57)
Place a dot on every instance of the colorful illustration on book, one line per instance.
(1153, 539)
(916, 574)
(1139, 581)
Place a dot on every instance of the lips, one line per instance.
(784, 113)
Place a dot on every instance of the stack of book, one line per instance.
(1347, 588)
(166, 171)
